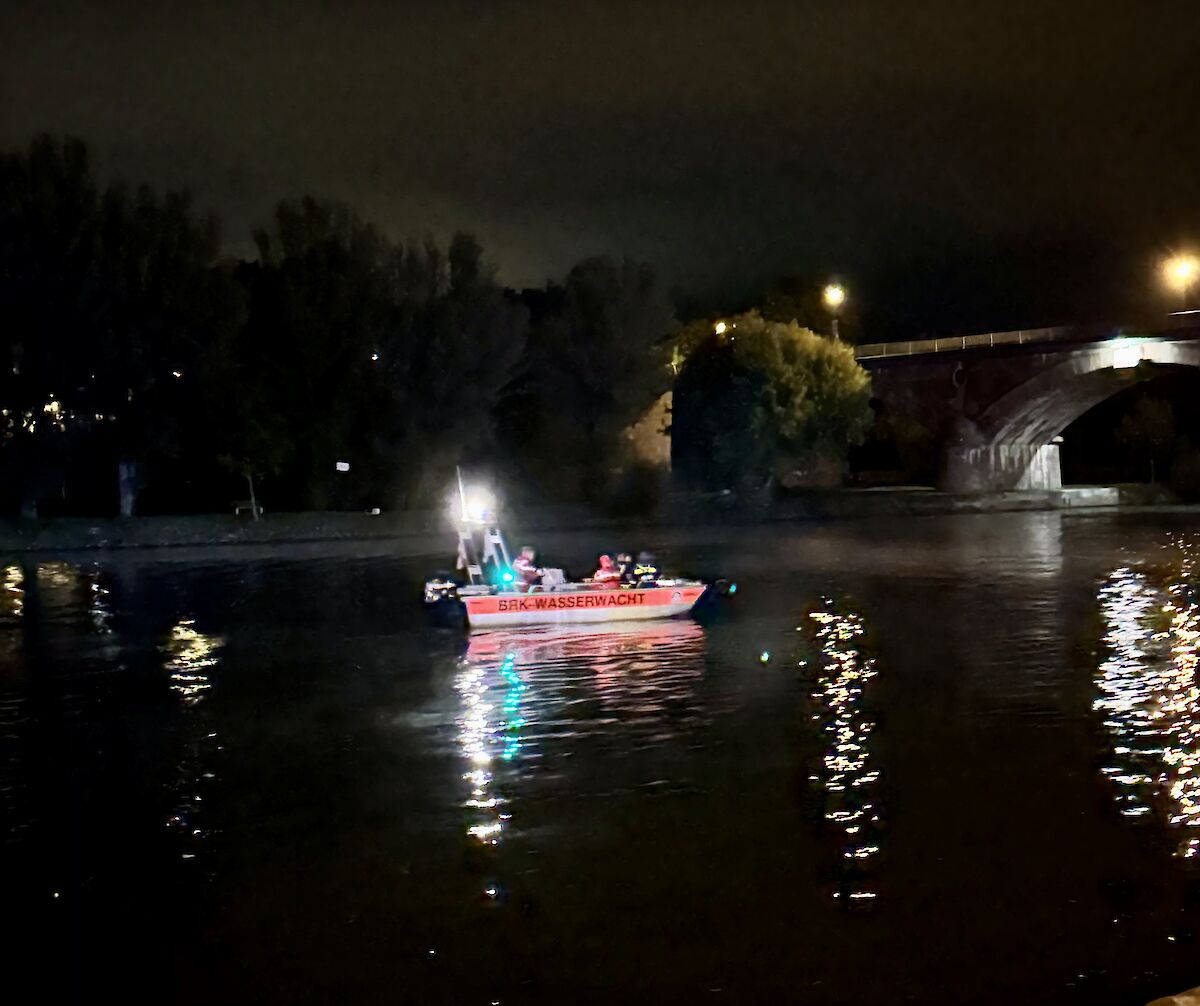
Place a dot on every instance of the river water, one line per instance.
(951, 759)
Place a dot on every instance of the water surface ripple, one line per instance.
(949, 759)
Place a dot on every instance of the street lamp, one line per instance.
(834, 296)
(1180, 273)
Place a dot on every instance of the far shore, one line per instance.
(425, 532)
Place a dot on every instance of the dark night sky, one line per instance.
(961, 164)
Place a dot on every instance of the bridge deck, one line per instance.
(959, 342)
(1181, 328)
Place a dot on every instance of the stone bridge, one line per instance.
(997, 402)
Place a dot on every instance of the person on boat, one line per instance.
(646, 571)
(608, 575)
(625, 565)
(526, 570)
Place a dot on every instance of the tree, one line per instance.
(319, 309)
(1148, 431)
(108, 299)
(245, 433)
(388, 356)
(457, 347)
(763, 398)
(48, 252)
(598, 359)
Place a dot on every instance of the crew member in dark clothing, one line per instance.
(646, 570)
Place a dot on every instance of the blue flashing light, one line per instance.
(507, 576)
(733, 588)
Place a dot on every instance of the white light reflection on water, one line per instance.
(486, 733)
(528, 692)
(1149, 696)
(99, 609)
(847, 773)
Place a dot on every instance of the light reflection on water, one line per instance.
(12, 594)
(99, 609)
(13, 718)
(12, 608)
(524, 691)
(65, 598)
(847, 773)
(531, 734)
(485, 733)
(1149, 696)
(189, 657)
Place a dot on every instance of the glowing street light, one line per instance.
(834, 296)
(1180, 272)
(720, 327)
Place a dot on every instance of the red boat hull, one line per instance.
(626, 604)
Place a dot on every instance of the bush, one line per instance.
(762, 399)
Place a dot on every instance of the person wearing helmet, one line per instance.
(646, 571)
(608, 575)
(526, 570)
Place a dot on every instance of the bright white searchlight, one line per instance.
(1126, 356)
(476, 505)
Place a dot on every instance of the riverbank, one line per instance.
(426, 531)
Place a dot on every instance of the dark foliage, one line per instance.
(598, 359)
(129, 346)
(111, 301)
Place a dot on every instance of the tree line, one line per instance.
(140, 368)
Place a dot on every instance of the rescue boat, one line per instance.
(580, 602)
(492, 597)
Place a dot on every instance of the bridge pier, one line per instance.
(994, 468)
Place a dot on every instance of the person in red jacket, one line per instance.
(525, 567)
(609, 573)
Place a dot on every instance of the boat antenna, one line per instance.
(462, 494)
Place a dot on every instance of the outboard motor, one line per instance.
(441, 601)
(441, 587)
(712, 602)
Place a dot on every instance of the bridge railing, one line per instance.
(958, 342)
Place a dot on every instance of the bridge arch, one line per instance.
(1008, 446)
